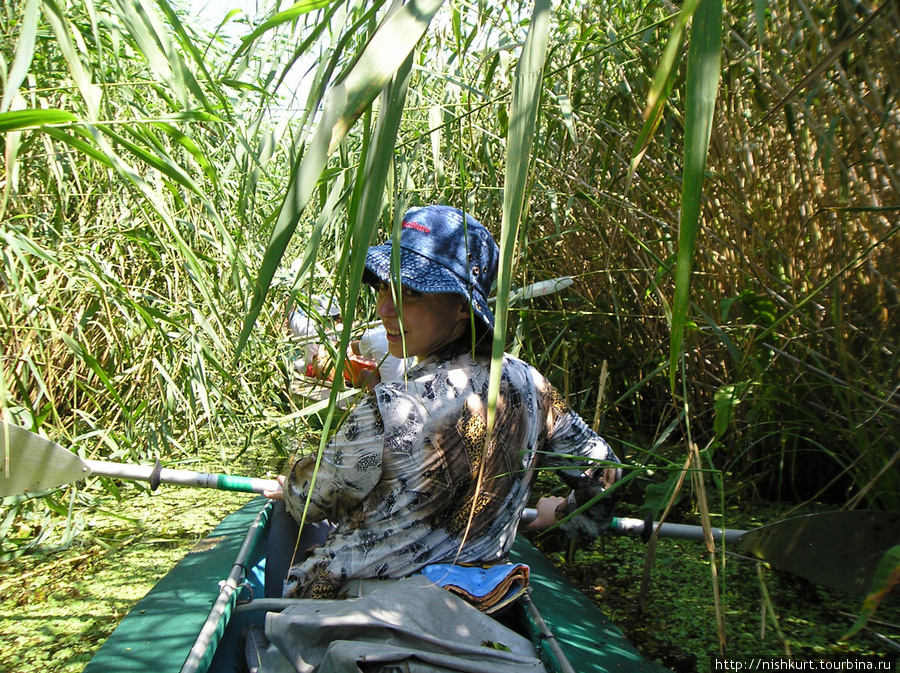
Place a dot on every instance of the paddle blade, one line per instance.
(835, 549)
(30, 464)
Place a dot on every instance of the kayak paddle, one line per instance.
(836, 549)
(30, 463)
(840, 550)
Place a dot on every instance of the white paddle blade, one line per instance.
(30, 463)
(540, 289)
(544, 288)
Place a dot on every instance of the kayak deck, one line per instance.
(160, 631)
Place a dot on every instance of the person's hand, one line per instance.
(367, 379)
(279, 494)
(323, 365)
(546, 509)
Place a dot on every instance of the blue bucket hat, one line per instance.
(441, 250)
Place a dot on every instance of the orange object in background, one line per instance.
(359, 370)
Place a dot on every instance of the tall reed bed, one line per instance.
(138, 174)
(721, 182)
(152, 200)
(790, 364)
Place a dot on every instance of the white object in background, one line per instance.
(539, 289)
(374, 344)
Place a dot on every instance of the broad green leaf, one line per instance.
(653, 116)
(704, 58)
(85, 355)
(372, 177)
(389, 47)
(90, 92)
(759, 12)
(565, 107)
(435, 122)
(191, 146)
(288, 15)
(664, 71)
(162, 163)
(188, 44)
(660, 495)
(326, 215)
(524, 106)
(726, 398)
(152, 38)
(81, 144)
(26, 119)
(24, 54)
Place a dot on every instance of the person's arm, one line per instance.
(349, 470)
(587, 465)
(323, 364)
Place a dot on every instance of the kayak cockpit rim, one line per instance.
(213, 629)
(214, 626)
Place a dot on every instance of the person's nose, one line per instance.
(385, 306)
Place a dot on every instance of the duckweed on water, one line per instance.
(57, 608)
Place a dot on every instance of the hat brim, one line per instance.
(421, 274)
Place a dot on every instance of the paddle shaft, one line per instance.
(32, 464)
(636, 528)
(539, 289)
(679, 531)
(165, 475)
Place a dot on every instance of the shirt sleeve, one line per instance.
(300, 324)
(348, 471)
(365, 344)
(586, 463)
(373, 344)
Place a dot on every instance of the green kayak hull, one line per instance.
(159, 633)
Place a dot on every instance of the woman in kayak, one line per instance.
(412, 478)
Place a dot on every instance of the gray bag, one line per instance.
(410, 625)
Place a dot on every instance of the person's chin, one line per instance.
(396, 350)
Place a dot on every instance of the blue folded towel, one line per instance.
(489, 588)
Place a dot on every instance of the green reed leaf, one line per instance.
(522, 122)
(382, 56)
(28, 119)
(24, 54)
(704, 58)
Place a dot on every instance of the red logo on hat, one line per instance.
(416, 226)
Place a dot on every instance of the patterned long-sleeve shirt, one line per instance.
(410, 480)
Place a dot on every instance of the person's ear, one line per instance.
(464, 308)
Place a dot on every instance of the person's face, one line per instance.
(429, 321)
